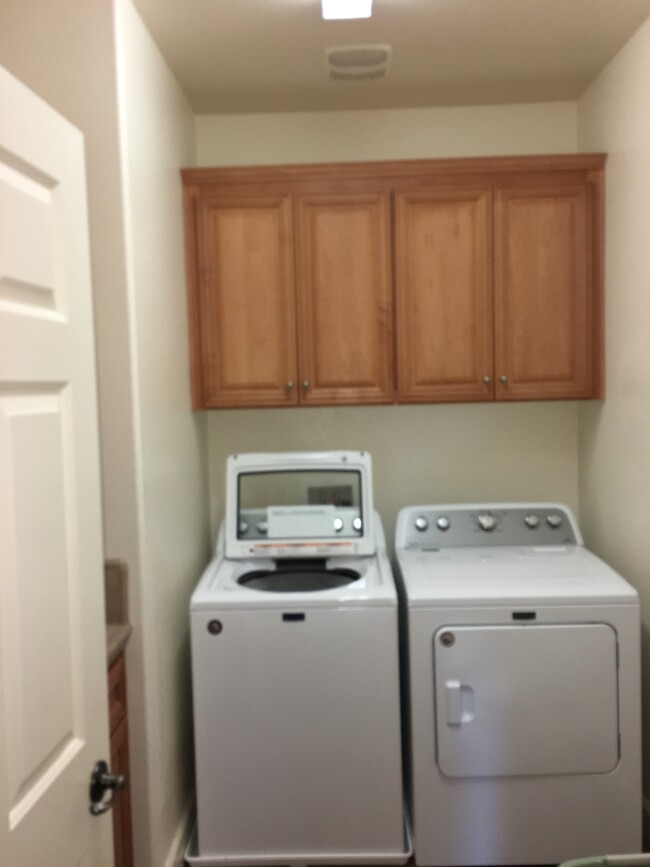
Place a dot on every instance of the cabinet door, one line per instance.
(443, 271)
(121, 812)
(544, 258)
(246, 302)
(122, 834)
(344, 298)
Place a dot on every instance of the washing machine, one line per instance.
(523, 688)
(295, 671)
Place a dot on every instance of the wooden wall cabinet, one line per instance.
(246, 302)
(499, 288)
(546, 325)
(416, 281)
(290, 296)
(443, 281)
(345, 296)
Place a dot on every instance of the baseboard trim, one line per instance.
(175, 857)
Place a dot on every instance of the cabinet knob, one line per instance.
(305, 384)
(289, 385)
(503, 379)
(487, 380)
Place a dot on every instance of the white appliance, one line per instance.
(294, 631)
(523, 664)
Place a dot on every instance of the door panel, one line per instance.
(544, 316)
(344, 297)
(526, 700)
(444, 294)
(247, 320)
(43, 719)
(53, 727)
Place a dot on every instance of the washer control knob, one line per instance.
(263, 527)
(338, 525)
(421, 523)
(532, 521)
(243, 528)
(554, 521)
(357, 524)
(443, 523)
(487, 522)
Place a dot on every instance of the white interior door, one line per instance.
(53, 703)
(526, 700)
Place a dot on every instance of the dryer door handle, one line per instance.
(460, 702)
(454, 707)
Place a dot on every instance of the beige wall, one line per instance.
(407, 133)
(157, 137)
(615, 435)
(420, 453)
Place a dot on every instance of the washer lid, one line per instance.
(299, 505)
(220, 588)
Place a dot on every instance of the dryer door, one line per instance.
(526, 700)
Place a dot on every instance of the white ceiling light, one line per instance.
(346, 8)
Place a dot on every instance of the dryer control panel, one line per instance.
(486, 525)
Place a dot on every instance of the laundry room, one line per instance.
(150, 103)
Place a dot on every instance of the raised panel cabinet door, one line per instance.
(443, 273)
(122, 833)
(344, 298)
(246, 310)
(544, 272)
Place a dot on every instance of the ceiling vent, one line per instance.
(356, 62)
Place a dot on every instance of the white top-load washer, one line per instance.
(294, 631)
(522, 651)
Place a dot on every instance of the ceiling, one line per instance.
(268, 55)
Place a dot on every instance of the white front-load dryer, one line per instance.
(294, 632)
(522, 651)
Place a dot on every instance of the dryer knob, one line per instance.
(554, 521)
(421, 523)
(487, 522)
(357, 525)
(338, 524)
(243, 528)
(263, 527)
(443, 523)
(532, 521)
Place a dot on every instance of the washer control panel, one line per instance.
(454, 526)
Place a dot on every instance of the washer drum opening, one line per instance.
(297, 580)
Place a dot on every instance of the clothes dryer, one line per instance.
(294, 631)
(522, 651)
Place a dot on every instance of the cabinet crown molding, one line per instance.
(396, 169)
